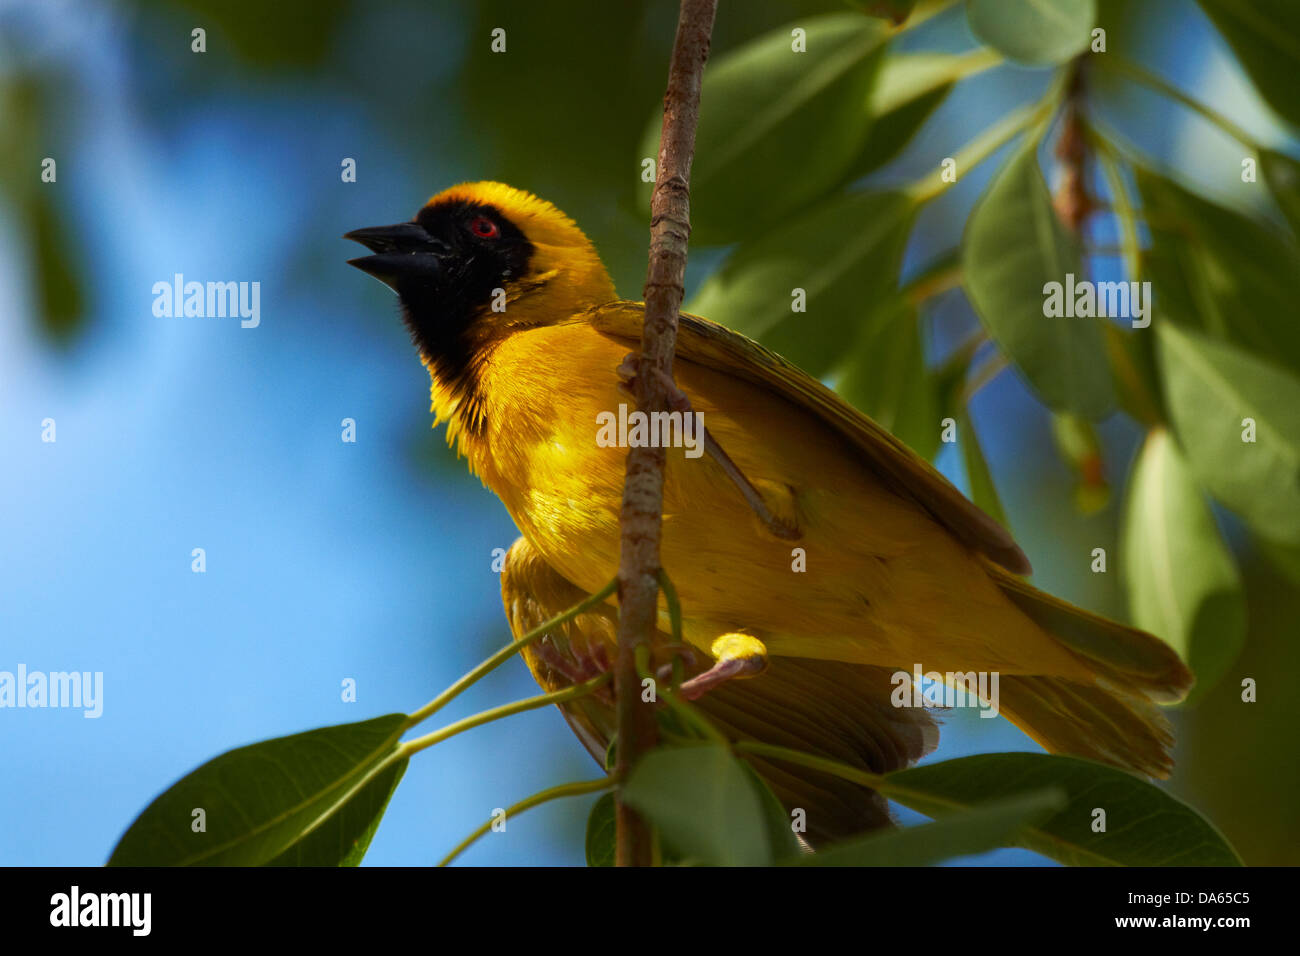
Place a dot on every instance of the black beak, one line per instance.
(401, 251)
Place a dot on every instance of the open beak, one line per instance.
(401, 251)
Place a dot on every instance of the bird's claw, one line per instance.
(679, 401)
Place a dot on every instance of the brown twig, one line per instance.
(638, 586)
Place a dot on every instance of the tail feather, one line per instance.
(1114, 719)
(1128, 657)
(1090, 721)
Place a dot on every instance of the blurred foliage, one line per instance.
(27, 143)
(1265, 36)
(284, 35)
(1014, 246)
(1032, 32)
(759, 109)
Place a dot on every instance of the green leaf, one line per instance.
(982, 490)
(1013, 247)
(845, 254)
(1265, 35)
(59, 286)
(777, 127)
(704, 804)
(909, 89)
(260, 800)
(780, 834)
(601, 832)
(1211, 388)
(1182, 581)
(978, 830)
(1144, 825)
(1284, 558)
(1132, 357)
(1219, 271)
(887, 378)
(1033, 32)
(1282, 175)
(344, 838)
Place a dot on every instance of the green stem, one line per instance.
(939, 275)
(873, 780)
(1125, 214)
(1146, 405)
(878, 782)
(578, 789)
(980, 148)
(417, 744)
(493, 662)
(1150, 80)
(686, 711)
(674, 605)
(992, 367)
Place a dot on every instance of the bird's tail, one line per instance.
(1113, 719)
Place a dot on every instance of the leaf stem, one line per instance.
(932, 185)
(576, 789)
(936, 277)
(876, 781)
(674, 605)
(415, 745)
(1146, 406)
(489, 665)
(990, 369)
(678, 705)
(1125, 216)
(1157, 83)
(813, 762)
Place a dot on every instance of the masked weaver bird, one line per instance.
(524, 337)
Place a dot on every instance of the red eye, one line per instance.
(484, 227)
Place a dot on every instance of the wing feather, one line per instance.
(902, 470)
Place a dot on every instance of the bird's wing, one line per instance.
(897, 466)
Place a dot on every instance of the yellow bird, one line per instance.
(525, 338)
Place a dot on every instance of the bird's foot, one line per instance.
(578, 666)
(737, 656)
(628, 371)
(684, 652)
(679, 401)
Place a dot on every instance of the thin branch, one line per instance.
(638, 585)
